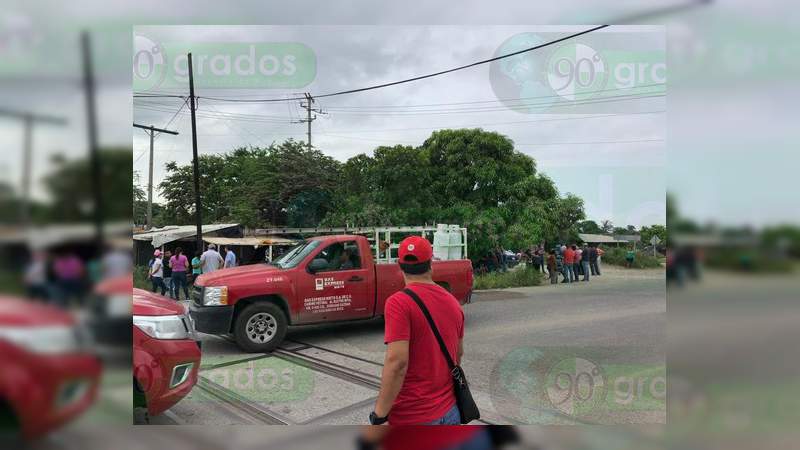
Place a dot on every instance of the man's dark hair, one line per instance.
(415, 268)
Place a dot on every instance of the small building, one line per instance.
(171, 236)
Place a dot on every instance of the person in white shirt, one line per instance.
(157, 273)
(211, 260)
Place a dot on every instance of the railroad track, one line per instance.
(240, 405)
(292, 352)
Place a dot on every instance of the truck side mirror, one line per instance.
(317, 265)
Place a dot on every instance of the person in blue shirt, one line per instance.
(230, 257)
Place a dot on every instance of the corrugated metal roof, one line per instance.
(251, 241)
(170, 233)
(598, 238)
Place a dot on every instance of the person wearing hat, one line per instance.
(416, 385)
(157, 273)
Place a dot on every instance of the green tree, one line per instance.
(470, 177)
(590, 227)
(254, 186)
(647, 233)
(70, 188)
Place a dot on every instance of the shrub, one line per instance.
(140, 278)
(616, 256)
(522, 276)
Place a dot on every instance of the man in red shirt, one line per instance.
(416, 385)
(569, 260)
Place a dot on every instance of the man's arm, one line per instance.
(394, 372)
(460, 353)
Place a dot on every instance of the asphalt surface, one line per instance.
(732, 349)
(516, 342)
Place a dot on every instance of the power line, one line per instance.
(521, 107)
(501, 100)
(417, 78)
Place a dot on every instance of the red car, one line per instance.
(325, 279)
(166, 354)
(47, 375)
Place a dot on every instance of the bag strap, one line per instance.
(435, 330)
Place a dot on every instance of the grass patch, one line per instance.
(616, 256)
(140, 278)
(11, 283)
(523, 276)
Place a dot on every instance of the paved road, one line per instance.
(514, 337)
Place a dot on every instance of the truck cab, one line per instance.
(324, 279)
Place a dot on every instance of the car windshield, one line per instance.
(295, 255)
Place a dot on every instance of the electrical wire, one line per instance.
(417, 78)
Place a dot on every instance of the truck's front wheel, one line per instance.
(260, 327)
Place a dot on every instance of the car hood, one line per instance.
(16, 312)
(225, 277)
(149, 304)
(118, 285)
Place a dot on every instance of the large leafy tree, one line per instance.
(470, 177)
(284, 184)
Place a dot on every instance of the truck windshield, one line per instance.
(295, 255)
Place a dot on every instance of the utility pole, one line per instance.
(151, 130)
(28, 121)
(94, 150)
(309, 107)
(195, 163)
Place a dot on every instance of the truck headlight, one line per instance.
(163, 327)
(54, 339)
(215, 295)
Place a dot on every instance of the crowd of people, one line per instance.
(63, 278)
(573, 262)
(171, 273)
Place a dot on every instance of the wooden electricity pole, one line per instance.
(28, 121)
(151, 130)
(195, 163)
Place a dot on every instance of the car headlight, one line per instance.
(163, 327)
(46, 339)
(215, 295)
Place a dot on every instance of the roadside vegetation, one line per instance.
(140, 278)
(520, 277)
(616, 256)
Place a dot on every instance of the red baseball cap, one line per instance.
(417, 247)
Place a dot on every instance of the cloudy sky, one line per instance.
(725, 62)
(610, 153)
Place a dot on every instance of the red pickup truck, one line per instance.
(48, 373)
(324, 279)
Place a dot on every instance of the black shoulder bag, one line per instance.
(466, 405)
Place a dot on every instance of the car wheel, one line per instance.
(260, 327)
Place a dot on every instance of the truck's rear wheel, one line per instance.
(260, 327)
